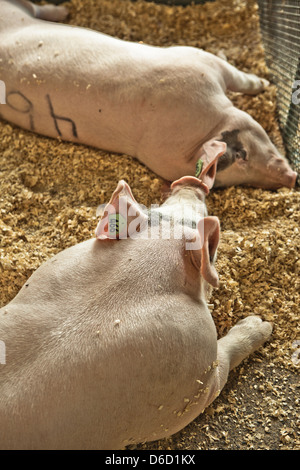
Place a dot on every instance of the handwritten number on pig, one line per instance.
(57, 118)
(20, 103)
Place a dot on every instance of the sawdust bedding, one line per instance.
(49, 192)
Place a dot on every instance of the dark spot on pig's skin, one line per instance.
(234, 150)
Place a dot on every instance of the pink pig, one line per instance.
(160, 105)
(111, 342)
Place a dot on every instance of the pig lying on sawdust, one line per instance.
(160, 105)
(111, 342)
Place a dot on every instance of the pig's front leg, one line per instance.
(243, 339)
(243, 82)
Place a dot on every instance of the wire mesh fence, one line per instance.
(280, 27)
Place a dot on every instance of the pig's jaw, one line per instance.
(277, 178)
(256, 176)
(272, 181)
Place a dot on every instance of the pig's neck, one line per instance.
(234, 118)
(185, 202)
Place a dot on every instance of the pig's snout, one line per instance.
(281, 173)
(291, 179)
(276, 174)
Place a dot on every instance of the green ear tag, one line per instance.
(199, 166)
(116, 224)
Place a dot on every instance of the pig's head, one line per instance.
(251, 159)
(189, 235)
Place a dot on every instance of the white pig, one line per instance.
(160, 105)
(111, 342)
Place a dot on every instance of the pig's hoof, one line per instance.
(264, 83)
(256, 84)
(253, 331)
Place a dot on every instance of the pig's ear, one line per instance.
(204, 247)
(209, 155)
(122, 216)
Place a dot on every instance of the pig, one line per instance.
(111, 342)
(157, 104)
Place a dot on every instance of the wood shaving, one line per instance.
(50, 190)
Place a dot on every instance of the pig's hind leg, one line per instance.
(242, 82)
(243, 339)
